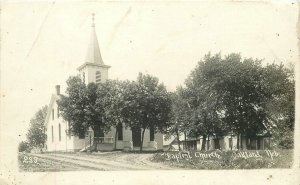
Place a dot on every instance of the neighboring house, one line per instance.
(58, 138)
(259, 141)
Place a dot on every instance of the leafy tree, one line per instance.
(239, 95)
(36, 135)
(79, 107)
(279, 85)
(205, 101)
(147, 105)
(180, 121)
(73, 105)
(243, 96)
(110, 98)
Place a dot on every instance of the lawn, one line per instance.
(214, 160)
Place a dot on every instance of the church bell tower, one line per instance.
(93, 69)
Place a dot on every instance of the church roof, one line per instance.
(54, 98)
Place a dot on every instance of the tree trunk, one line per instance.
(178, 139)
(203, 143)
(241, 141)
(141, 147)
(217, 143)
(185, 141)
(238, 141)
(95, 143)
(208, 144)
(115, 143)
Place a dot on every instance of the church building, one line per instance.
(60, 139)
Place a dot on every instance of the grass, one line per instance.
(215, 160)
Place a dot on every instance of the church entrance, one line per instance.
(136, 137)
(99, 135)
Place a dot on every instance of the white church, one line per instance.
(59, 139)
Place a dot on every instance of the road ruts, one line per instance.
(92, 163)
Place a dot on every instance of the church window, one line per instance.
(120, 131)
(57, 111)
(59, 132)
(52, 114)
(151, 133)
(52, 134)
(98, 77)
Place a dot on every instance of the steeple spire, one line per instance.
(93, 52)
(93, 19)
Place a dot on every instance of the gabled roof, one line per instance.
(54, 98)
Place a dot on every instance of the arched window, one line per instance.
(152, 132)
(59, 132)
(52, 134)
(98, 77)
(120, 132)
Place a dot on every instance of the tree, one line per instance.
(204, 99)
(147, 105)
(79, 107)
(243, 98)
(73, 105)
(110, 98)
(279, 85)
(95, 114)
(180, 121)
(36, 135)
(239, 95)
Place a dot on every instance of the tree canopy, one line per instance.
(147, 105)
(79, 106)
(237, 95)
(36, 135)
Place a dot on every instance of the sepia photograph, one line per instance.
(148, 86)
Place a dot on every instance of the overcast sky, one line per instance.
(43, 43)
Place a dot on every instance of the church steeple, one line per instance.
(93, 69)
(93, 53)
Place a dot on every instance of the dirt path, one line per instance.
(106, 162)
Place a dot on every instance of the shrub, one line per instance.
(24, 147)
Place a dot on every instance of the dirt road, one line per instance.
(105, 161)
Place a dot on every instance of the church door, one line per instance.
(136, 137)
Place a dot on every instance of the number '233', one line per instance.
(27, 159)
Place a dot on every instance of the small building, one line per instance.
(258, 141)
(60, 139)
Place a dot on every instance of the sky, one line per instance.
(43, 43)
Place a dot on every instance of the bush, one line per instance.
(24, 147)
